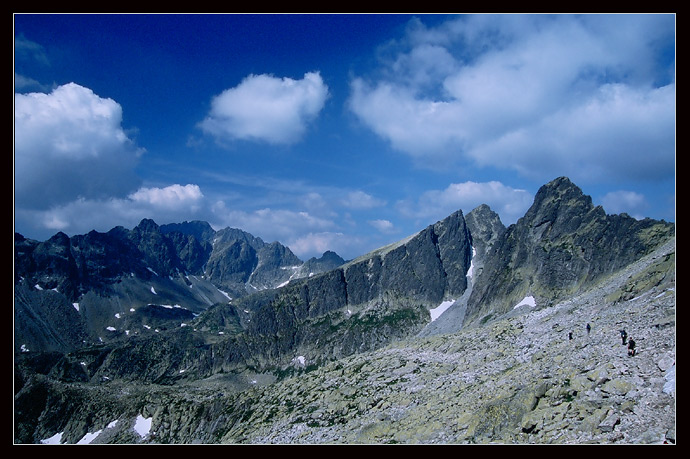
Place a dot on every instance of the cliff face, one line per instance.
(367, 302)
(562, 245)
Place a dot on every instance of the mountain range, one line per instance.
(195, 313)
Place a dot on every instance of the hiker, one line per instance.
(624, 335)
(588, 328)
(631, 347)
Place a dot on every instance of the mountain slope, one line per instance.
(516, 379)
(109, 277)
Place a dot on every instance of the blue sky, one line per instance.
(336, 132)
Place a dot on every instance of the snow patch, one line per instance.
(111, 328)
(470, 271)
(89, 437)
(54, 440)
(24, 348)
(299, 360)
(142, 426)
(38, 287)
(153, 290)
(437, 311)
(76, 306)
(526, 301)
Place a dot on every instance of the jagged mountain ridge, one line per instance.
(371, 301)
(562, 245)
(104, 277)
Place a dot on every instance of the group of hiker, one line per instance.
(624, 338)
(631, 343)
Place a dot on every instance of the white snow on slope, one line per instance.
(143, 425)
(89, 437)
(470, 271)
(528, 301)
(54, 440)
(437, 311)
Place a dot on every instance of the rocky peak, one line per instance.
(562, 245)
(485, 227)
(560, 207)
(201, 230)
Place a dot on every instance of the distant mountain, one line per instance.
(107, 278)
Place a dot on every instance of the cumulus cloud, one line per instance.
(361, 200)
(315, 244)
(510, 203)
(170, 197)
(384, 226)
(266, 108)
(270, 224)
(531, 93)
(168, 204)
(630, 202)
(70, 144)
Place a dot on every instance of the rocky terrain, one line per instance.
(465, 332)
(101, 287)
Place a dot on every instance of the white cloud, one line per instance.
(384, 226)
(508, 202)
(270, 224)
(173, 196)
(70, 144)
(266, 108)
(361, 200)
(315, 244)
(536, 94)
(630, 202)
(169, 204)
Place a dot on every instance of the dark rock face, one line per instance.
(485, 226)
(562, 244)
(121, 270)
(329, 260)
(365, 303)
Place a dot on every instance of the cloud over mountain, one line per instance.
(266, 108)
(536, 94)
(70, 144)
(508, 202)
